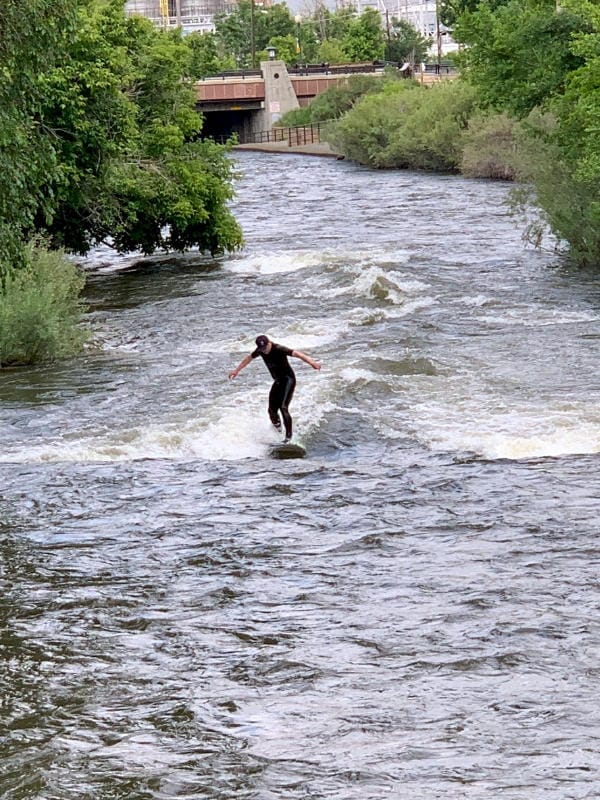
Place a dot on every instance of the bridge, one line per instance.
(246, 101)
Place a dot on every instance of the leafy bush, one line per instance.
(553, 196)
(297, 116)
(339, 99)
(489, 147)
(407, 126)
(40, 309)
(335, 101)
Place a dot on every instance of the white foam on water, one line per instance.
(538, 317)
(584, 440)
(243, 430)
(273, 262)
(387, 286)
(517, 433)
(311, 334)
(233, 429)
(410, 307)
(361, 316)
(137, 443)
(354, 375)
(300, 335)
(477, 301)
(105, 260)
(357, 260)
(225, 439)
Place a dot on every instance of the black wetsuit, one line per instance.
(284, 384)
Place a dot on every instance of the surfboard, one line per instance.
(287, 450)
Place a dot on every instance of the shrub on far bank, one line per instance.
(40, 309)
(407, 126)
(489, 147)
(340, 99)
(335, 101)
(297, 116)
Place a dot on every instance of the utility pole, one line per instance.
(252, 43)
(387, 27)
(438, 34)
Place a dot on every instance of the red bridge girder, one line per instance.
(231, 90)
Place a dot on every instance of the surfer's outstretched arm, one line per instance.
(303, 357)
(243, 363)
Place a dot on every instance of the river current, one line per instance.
(411, 611)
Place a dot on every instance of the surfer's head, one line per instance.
(262, 343)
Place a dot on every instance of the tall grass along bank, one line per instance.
(40, 309)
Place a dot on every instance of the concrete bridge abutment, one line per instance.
(280, 96)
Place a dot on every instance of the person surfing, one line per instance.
(276, 357)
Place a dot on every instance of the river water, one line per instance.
(411, 611)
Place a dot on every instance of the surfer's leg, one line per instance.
(288, 393)
(274, 403)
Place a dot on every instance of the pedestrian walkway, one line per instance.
(309, 149)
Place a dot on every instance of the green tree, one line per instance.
(125, 131)
(542, 64)
(336, 24)
(275, 20)
(331, 51)
(285, 47)
(234, 33)
(364, 38)
(562, 153)
(307, 41)
(235, 30)
(578, 109)
(30, 43)
(519, 54)
(328, 33)
(452, 10)
(39, 291)
(98, 139)
(206, 58)
(405, 43)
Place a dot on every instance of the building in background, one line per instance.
(198, 15)
(190, 15)
(422, 15)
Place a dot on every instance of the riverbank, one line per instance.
(323, 149)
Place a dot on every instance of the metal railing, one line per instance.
(239, 74)
(337, 69)
(295, 137)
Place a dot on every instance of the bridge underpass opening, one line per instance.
(220, 125)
